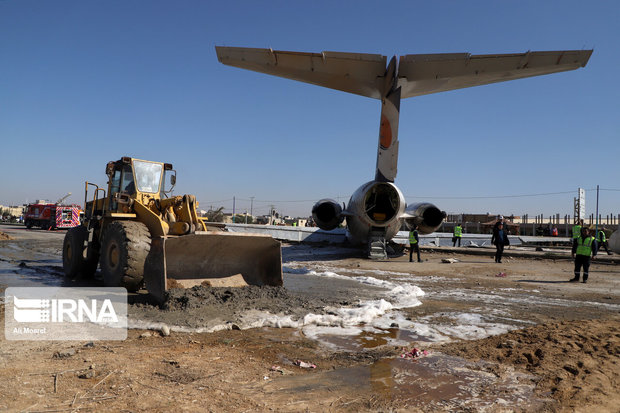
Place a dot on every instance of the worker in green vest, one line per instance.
(583, 249)
(601, 240)
(577, 231)
(457, 235)
(414, 243)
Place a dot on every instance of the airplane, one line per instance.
(613, 242)
(377, 210)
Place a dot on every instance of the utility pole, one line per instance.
(252, 207)
(596, 226)
(580, 206)
(233, 220)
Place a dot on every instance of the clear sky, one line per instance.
(86, 82)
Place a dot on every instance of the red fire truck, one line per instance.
(52, 216)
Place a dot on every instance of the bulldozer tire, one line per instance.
(73, 261)
(123, 253)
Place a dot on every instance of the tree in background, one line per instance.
(215, 215)
(240, 219)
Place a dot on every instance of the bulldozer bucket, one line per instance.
(212, 258)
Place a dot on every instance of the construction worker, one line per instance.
(577, 231)
(584, 247)
(457, 235)
(414, 243)
(601, 240)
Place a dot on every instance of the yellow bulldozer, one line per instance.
(140, 235)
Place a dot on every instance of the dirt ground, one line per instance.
(560, 358)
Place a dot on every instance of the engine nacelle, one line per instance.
(375, 207)
(327, 214)
(425, 215)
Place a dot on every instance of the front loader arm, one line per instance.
(157, 227)
(180, 212)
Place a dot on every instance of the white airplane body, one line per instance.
(377, 209)
(614, 241)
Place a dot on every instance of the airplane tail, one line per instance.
(413, 75)
(387, 150)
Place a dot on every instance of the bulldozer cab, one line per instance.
(131, 178)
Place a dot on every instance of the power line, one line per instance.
(216, 202)
(493, 196)
(272, 201)
(252, 199)
(507, 196)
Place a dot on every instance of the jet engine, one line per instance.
(425, 215)
(375, 207)
(327, 214)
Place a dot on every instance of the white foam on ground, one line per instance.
(299, 268)
(302, 268)
(377, 313)
(399, 295)
(380, 314)
(523, 298)
(465, 326)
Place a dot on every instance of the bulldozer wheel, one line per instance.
(123, 253)
(73, 261)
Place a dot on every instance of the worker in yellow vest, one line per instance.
(583, 249)
(414, 243)
(457, 235)
(601, 240)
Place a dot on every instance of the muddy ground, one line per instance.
(562, 352)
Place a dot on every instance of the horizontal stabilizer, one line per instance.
(357, 73)
(417, 74)
(422, 74)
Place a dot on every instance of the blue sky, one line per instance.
(86, 82)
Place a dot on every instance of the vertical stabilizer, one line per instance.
(387, 151)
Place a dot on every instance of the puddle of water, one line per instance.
(436, 382)
(440, 380)
(367, 339)
(11, 276)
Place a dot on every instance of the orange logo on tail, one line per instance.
(385, 133)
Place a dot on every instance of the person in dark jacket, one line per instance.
(500, 239)
(500, 220)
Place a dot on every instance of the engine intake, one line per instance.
(425, 215)
(327, 214)
(382, 203)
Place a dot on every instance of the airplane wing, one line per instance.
(357, 73)
(422, 74)
(418, 74)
